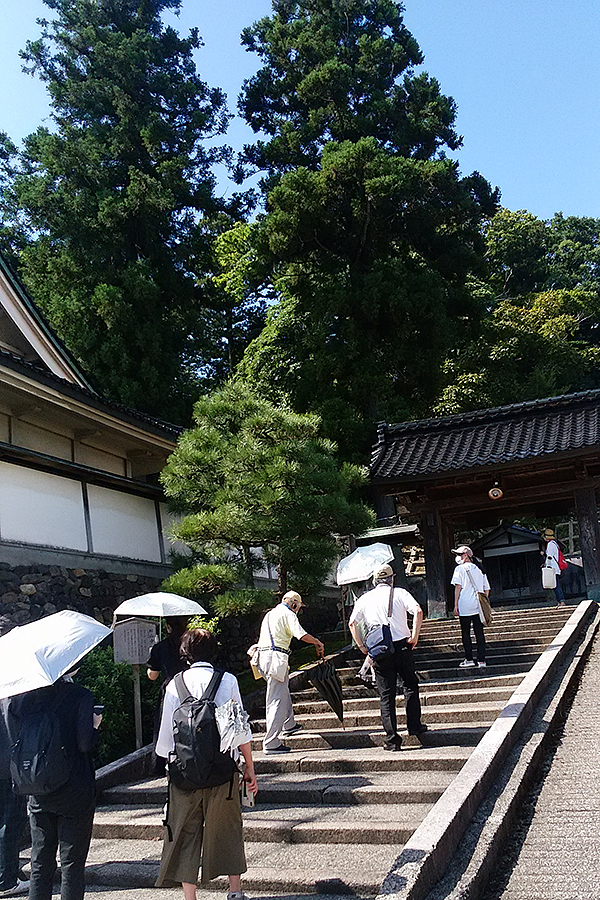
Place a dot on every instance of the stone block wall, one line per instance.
(27, 594)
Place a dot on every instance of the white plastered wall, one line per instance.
(39, 508)
(123, 524)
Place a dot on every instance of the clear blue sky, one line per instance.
(524, 73)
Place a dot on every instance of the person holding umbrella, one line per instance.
(165, 660)
(278, 628)
(36, 664)
(371, 609)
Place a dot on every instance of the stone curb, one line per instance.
(428, 853)
(492, 826)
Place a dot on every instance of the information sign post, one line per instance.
(132, 641)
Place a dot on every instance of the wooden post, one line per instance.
(587, 514)
(137, 706)
(436, 541)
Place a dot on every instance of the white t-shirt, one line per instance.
(372, 609)
(468, 604)
(197, 679)
(552, 557)
(283, 625)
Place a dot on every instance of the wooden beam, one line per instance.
(437, 544)
(587, 514)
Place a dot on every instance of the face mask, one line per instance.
(458, 560)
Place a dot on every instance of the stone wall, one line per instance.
(29, 593)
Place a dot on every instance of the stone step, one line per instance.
(276, 868)
(439, 735)
(461, 712)
(291, 824)
(479, 680)
(428, 698)
(352, 790)
(334, 761)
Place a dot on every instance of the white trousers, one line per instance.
(280, 713)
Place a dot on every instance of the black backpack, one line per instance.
(39, 761)
(197, 761)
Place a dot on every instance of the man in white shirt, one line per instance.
(372, 609)
(468, 581)
(278, 628)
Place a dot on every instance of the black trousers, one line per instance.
(60, 822)
(13, 817)
(465, 630)
(401, 667)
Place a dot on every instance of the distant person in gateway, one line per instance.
(554, 558)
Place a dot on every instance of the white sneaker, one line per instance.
(466, 664)
(21, 887)
(481, 665)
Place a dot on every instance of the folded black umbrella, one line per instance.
(327, 681)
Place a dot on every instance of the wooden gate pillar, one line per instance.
(437, 539)
(587, 514)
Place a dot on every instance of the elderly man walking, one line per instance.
(372, 609)
(278, 628)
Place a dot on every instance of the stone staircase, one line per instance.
(333, 815)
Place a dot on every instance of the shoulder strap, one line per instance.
(61, 696)
(181, 687)
(213, 685)
(391, 601)
(269, 630)
(472, 582)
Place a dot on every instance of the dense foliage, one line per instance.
(369, 231)
(111, 205)
(256, 481)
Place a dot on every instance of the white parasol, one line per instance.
(361, 564)
(37, 654)
(161, 604)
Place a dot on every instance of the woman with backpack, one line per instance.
(203, 824)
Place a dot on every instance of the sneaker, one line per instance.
(466, 664)
(293, 730)
(237, 895)
(393, 746)
(281, 749)
(21, 887)
(481, 665)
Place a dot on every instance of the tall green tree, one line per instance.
(541, 334)
(339, 70)
(369, 230)
(112, 196)
(252, 475)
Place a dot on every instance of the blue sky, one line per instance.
(524, 73)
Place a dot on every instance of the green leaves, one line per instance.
(255, 476)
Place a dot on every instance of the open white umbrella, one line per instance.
(161, 604)
(37, 654)
(361, 564)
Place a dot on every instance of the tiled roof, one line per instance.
(487, 437)
(118, 410)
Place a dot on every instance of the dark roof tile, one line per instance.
(487, 437)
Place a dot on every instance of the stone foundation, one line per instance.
(27, 594)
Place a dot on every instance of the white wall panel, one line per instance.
(39, 508)
(123, 524)
(40, 439)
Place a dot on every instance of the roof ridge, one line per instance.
(487, 415)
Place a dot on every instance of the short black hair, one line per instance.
(198, 645)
